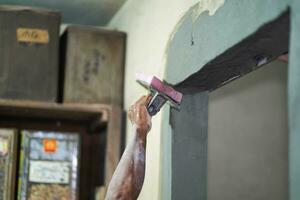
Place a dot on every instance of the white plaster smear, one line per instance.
(205, 5)
(150, 24)
(210, 5)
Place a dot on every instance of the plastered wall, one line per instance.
(248, 137)
(174, 40)
(197, 42)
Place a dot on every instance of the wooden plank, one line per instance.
(92, 163)
(113, 142)
(26, 114)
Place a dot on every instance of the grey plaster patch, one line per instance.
(189, 148)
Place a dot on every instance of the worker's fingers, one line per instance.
(139, 115)
(141, 100)
(131, 109)
(130, 113)
(149, 97)
(135, 109)
(144, 100)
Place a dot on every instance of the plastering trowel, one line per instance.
(161, 93)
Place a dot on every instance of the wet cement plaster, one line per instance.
(189, 152)
(266, 44)
(198, 42)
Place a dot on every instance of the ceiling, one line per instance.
(89, 12)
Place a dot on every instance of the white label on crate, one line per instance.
(49, 172)
(30, 35)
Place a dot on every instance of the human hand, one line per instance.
(139, 116)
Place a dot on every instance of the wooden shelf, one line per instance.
(85, 119)
(54, 116)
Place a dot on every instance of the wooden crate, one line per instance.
(92, 65)
(29, 42)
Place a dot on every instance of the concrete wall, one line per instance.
(248, 137)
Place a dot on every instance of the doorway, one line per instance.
(248, 137)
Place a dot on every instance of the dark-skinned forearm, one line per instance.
(128, 178)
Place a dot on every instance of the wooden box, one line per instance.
(29, 43)
(92, 65)
(8, 157)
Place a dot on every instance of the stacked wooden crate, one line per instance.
(29, 43)
(93, 65)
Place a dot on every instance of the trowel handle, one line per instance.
(155, 104)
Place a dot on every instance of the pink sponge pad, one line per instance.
(153, 83)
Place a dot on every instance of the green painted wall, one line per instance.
(294, 102)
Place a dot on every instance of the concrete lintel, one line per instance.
(258, 49)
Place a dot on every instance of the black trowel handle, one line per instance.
(155, 104)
